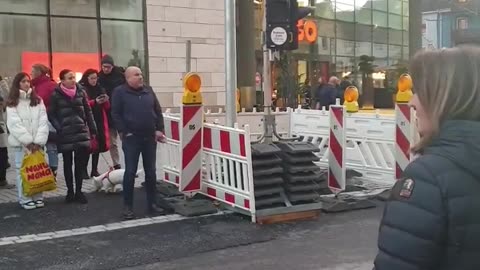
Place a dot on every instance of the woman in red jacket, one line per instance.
(100, 104)
(44, 86)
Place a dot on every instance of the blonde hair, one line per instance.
(447, 83)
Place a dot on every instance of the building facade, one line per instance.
(445, 24)
(152, 34)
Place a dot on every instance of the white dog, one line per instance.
(111, 181)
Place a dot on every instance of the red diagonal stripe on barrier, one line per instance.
(191, 149)
(207, 138)
(225, 142)
(194, 184)
(332, 180)
(246, 204)
(242, 145)
(212, 192)
(338, 113)
(405, 109)
(167, 178)
(336, 148)
(175, 131)
(177, 179)
(403, 142)
(229, 198)
(188, 113)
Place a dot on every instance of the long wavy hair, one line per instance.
(14, 94)
(447, 83)
(88, 72)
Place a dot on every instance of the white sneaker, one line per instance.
(29, 205)
(39, 204)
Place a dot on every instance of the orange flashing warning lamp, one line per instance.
(191, 92)
(351, 99)
(405, 84)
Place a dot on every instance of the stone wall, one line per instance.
(170, 23)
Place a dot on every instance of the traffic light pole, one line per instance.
(269, 119)
(230, 63)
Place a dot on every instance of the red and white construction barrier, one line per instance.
(191, 143)
(337, 144)
(229, 174)
(403, 137)
(170, 151)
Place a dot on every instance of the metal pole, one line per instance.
(189, 56)
(230, 63)
(267, 80)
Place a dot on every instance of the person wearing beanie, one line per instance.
(109, 78)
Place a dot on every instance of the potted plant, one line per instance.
(366, 68)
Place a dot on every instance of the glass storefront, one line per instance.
(71, 34)
(348, 29)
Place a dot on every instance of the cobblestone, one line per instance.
(10, 195)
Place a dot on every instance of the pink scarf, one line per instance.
(70, 92)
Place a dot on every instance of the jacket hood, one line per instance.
(41, 79)
(459, 141)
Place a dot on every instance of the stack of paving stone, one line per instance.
(304, 181)
(267, 176)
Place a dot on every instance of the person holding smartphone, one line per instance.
(100, 104)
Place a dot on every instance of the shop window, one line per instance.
(395, 6)
(24, 6)
(345, 47)
(395, 21)
(462, 23)
(380, 5)
(406, 23)
(395, 52)
(23, 42)
(363, 48)
(380, 50)
(395, 37)
(363, 16)
(325, 9)
(124, 41)
(380, 35)
(345, 30)
(380, 19)
(121, 9)
(69, 49)
(85, 8)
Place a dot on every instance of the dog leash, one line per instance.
(106, 161)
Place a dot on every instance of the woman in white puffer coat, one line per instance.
(27, 122)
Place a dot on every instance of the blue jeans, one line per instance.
(133, 146)
(52, 155)
(22, 199)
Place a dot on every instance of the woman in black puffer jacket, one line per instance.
(71, 116)
(432, 221)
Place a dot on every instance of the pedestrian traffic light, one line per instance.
(282, 19)
(351, 99)
(404, 89)
(191, 91)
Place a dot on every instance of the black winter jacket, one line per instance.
(137, 111)
(111, 81)
(73, 120)
(432, 221)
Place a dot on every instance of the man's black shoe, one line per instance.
(70, 198)
(80, 198)
(128, 213)
(154, 209)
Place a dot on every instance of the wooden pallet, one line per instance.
(289, 217)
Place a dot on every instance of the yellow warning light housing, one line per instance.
(351, 99)
(191, 89)
(405, 85)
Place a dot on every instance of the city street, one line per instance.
(94, 236)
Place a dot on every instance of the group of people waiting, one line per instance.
(79, 119)
(327, 94)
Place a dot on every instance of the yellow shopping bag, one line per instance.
(36, 174)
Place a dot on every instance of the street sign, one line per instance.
(279, 36)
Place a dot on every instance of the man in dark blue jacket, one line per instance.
(138, 118)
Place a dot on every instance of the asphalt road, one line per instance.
(332, 242)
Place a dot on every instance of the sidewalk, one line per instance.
(10, 195)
